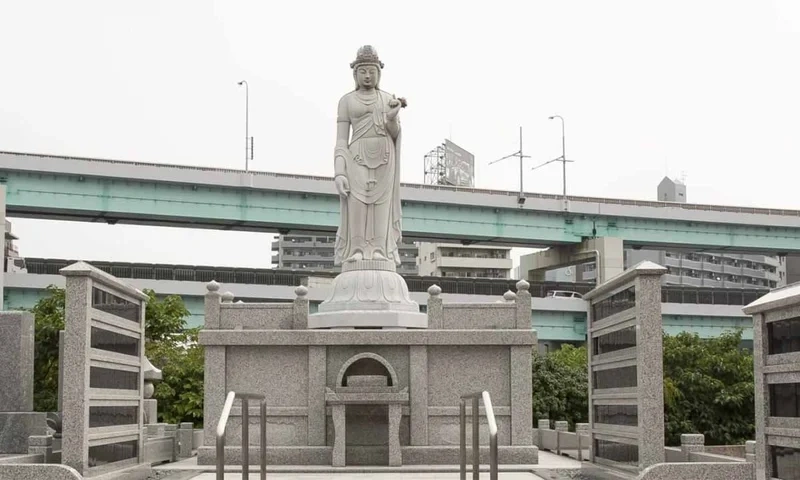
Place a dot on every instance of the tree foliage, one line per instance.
(560, 385)
(173, 349)
(708, 388)
(168, 344)
(49, 320)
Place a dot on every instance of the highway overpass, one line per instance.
(97, 190)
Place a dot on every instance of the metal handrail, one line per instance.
(476, 452)
(223, 424)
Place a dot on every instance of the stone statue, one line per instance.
(368, 293)
(367, 166)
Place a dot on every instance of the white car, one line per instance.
(563, 294)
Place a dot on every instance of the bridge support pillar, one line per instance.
(607, 252)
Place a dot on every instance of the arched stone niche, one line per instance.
(367, 363)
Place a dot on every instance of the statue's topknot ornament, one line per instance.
(367, 55)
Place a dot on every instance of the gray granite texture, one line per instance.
(317, 359)
(418, 373)
(650, 367)
(479, 316)
(704, 471)
(38, 472)
(300, 309)
(459, 370)
(521, 395)
(692, 443)
(185, 438)
(214, 388)
(213, 303)
(395, 456)
(340, 436)
(15, 428)
(435, 307)
(368, 337)
(412, 455)
(257, 316)
(282, 373)
(16, 359)
(523, 305)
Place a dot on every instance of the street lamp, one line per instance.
(248, 140)
(563, 157)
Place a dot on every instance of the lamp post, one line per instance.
(521, 197)
(562, 158)
(247, 140)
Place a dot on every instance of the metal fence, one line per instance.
(466, 286)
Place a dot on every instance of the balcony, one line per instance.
(472, 262)
(672, 262)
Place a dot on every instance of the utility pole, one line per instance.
(562, 158)
(521, 198)
(248, 140)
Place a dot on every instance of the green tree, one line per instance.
(173, 349)
(560, 385)
(708, 388)
(49, 320)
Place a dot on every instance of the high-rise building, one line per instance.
(454, 260)
(702, 269)
(315, 253)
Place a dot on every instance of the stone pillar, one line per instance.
(17, 419)
(692, 443)
(561, 426)
(339, 439)
(750, 451)
(435, 308)
(776, 368)
(523, 305)
(582, 431)
(60, 368)
(41, 444)
(214, 373)
(100, 307)
(395, 454)
(627, 307)
(521, 395)
(185, 434)
(317, 418)
(300, 309)
(543, 424)
(149, 404)
(418, 373)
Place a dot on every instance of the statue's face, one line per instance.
(367, 76)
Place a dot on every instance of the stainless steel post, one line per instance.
(263, 439)
(462, 449)
(476, 436)
(245, 439)
(493, 457)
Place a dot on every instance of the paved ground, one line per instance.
(366, 476)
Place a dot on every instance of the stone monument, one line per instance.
(368, 380)
(369, 292)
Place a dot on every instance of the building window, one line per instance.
(626, 415)
(617, 452)
(619, 340)
(616, 303)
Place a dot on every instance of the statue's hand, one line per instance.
(342, 185)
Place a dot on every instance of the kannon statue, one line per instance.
(367, 167)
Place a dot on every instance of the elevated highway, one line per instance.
(97, 190)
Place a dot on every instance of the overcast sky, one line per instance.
(708, 89)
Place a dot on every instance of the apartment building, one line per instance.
(454, 260)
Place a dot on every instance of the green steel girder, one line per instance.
(160, 203)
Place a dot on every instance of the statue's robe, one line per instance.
(370, 215)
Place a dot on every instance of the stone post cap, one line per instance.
(212, 286)
(543, 424)
(582, 428)
(434, 290)
(83, 269)
(187, 425)
(562, 425)
(750, 446)
(227, 297)
(523, 285)
(151, 373)
(693, 439)
(509, 296)
(301, 291)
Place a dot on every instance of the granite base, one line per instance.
(351, 319)
(360, 455)
(16, 427)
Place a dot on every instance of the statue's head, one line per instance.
(367, 68)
